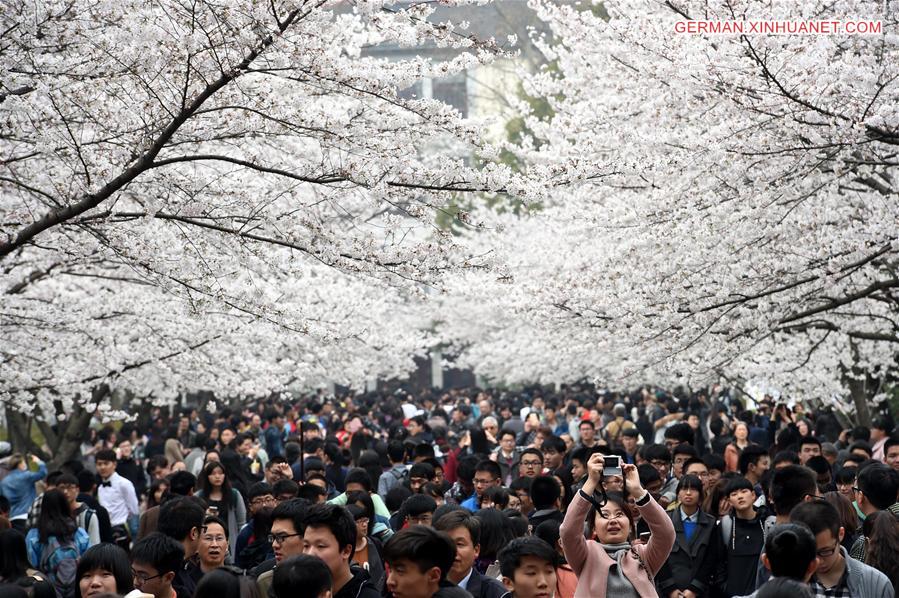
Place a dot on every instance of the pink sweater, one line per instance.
(591, 563)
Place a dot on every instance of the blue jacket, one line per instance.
(471, 503)
(36, 549)
(18, 487)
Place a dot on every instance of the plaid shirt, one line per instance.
(841, 590)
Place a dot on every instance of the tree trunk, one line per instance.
(19, 426)
(858, 390)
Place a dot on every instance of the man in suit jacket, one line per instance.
(465, 532)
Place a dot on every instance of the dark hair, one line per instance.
(848, 516)
(883, 544)
(809, 440)
(225, 583)
(790, 484)
(395, 498)
(205, 485)
(179, 515)
(818, 516)
(511, 556)
(713, 461)
(357, 475)
(846, 475)
(259, 489)
(648, 474)
(460, 518)
(109, 557)
(736, 483)
(158, 550)
(790, 548)
(548, 531)
(522, 483)
(659, 452)
(691, 482)
(554, 443)
(56, 518)
(396, 452)
(786, 456)
(289, 487)
(418, 504)
(498, 495)
(106, 455)
(13, 556)
(617, 499)
(367, 503)
(496, 532)
(422, 470)
(156, 461)
(61, 478)
(303, 571)
(491, 467)
(891, 441)
(750, 456)
(294, 509)
(506, 432)
(545, 491)
(182, 482)
(587, 422)
(213, 519)
(818, 464)
(338, 521)
(422, 545)
(151, 493)
(880, 484)
(682, 432)
(864, 446)
(784, 587)
(86, 480)
(531, 451)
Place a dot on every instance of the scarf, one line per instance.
(618, 585)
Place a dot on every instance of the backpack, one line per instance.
(59, 562)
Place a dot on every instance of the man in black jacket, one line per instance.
(330, 534)
(465, 531)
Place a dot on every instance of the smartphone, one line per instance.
(212, 511)
(644, 537)
(611, 465)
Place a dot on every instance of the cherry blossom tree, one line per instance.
(226, 196)
(734, 212)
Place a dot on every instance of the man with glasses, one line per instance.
(85, 517)
(213, 547)
(838, 575)
(286, 539)
(154, 563)
(487, 475)
(531, 463)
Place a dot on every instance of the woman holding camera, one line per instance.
(612, 565)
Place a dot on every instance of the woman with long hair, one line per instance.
(848, 518)
(612, 565)
(157, 493)
(14, 566)
(691, 564)
(496, 533)
(104, 569)
(733, 450)
(882, 531)
(224, 501)
(56, 540)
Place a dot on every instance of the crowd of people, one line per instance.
(470, 493)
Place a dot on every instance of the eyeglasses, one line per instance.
(826, 552)
(279, 538)
(702, 475)
(659, 463)
(262, 500)
(215, 539)
(856, 489)
(483, 482)
(143, 578)
(362, 520)
(532, 463)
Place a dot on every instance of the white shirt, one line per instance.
(118, 498)
(694, 518)
(464, 583)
